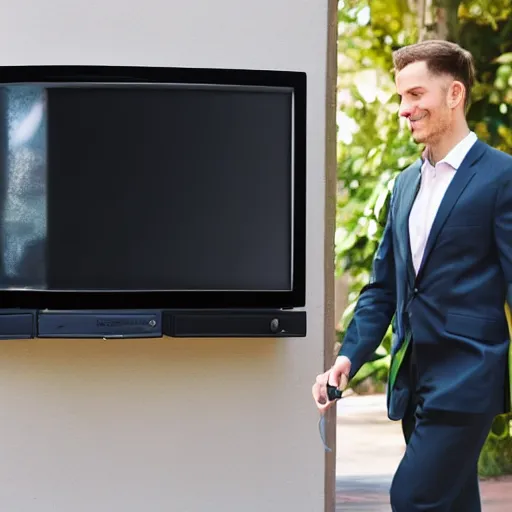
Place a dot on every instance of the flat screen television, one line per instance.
(139, 188)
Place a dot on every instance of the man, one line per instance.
(442, 273)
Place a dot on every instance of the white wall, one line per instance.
(104, 426)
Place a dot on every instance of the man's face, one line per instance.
(424, 102)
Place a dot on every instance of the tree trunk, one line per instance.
(437, 19)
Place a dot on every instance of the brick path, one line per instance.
(369, 447)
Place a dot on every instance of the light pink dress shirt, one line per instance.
(434, 183)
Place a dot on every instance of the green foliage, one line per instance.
(485, 29)
(374, 146)
(496, 457)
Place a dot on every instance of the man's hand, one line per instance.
(337, 376)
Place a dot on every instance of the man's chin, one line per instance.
(418, 138)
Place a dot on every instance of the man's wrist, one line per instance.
(342, 360)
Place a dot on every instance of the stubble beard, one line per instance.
(432, 137)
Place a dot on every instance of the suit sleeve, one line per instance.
(503, 231)
(376, 304)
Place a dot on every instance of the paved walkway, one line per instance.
(369, 448)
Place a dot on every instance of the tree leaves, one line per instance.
(505, 58)
(374, 146)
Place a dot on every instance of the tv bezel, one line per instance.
(130, 300)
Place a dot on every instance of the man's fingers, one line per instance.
(318, 393)
(321, 379)
(338, 379)
(320, 396)
(334, 377)
(320, 389)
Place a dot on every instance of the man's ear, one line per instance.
(456, 94)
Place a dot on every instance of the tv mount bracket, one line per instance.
(189, 323)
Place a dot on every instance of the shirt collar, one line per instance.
(457, 154)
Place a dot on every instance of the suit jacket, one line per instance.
(453, 310)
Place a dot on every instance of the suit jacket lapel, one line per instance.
(462, 177)
(410, 188)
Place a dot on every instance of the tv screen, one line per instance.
(187, 189)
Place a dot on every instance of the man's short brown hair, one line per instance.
(441, 57)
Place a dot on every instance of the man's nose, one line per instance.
(405, 110)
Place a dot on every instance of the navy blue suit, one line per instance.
(450, 320)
